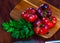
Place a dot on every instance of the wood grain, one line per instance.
(23, 5)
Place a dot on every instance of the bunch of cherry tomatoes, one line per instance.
(41, 18)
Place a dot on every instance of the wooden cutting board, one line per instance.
(24, 4)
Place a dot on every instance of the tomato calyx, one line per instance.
(45, 13)
(50, 19)
(41, 25)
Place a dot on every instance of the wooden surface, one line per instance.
(23, 5)
(5, 7)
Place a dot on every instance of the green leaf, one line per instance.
(31, 33)
(11, 22)
(5, 25)
(15, 34)
(15, 23)
(20, 24)
(27, 31)
(21, 21)
(22, 35)
(10, 29)
(30, 26)
(45, 12)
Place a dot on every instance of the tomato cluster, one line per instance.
(41, 18)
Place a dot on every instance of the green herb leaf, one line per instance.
(29, 25)
(11, 23)
(22, 35)
(15, 34)
(31, 33)
(10, 29)
(45, 12)
(5, 25)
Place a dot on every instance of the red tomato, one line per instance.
(54, 20)
(32, 18)
(41, 29)
(31, 10)
(51, 21)
(44, 29)
(29, 15)
(50, 24)
(46, 20)
(24, 15)
(36, 30)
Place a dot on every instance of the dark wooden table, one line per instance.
(5, 7)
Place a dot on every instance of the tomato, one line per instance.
(29, 15)
(54, 20)
(24, 15)
(32, 18)
(36, 30)
(46, 20)
(50, 24)
(31, 10)
(46, 10)
(51, 21)
(41, 29)
(37, 22)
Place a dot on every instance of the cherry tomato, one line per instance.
(31, 10)
(46, 20)
(37, 22)
(50, 24)
(51, 21)
(44, 6)
(24, 15)
(45, 10)
(32, 18)
(44, 30)
(36, 30)
(41, 29)
(29, 15)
